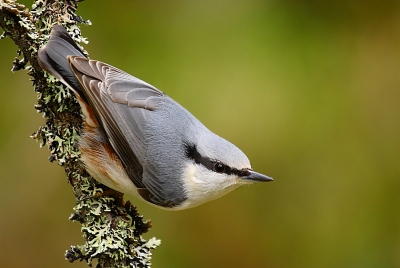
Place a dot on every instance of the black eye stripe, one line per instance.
(211, 164)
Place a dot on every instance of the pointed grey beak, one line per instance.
(257, 177)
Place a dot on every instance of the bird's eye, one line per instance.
(219, 167)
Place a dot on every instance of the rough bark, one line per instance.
(111, 228)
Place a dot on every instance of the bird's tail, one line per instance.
(52, 57)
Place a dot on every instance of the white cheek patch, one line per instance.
(203, 185)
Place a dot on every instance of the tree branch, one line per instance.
(111, 228)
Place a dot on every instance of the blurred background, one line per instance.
(309, 90)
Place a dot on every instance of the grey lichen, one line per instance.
(112, 228)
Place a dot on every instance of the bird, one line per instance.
(139, 141)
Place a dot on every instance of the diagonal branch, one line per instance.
(111, 228)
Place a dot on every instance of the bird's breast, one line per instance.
(102, 162)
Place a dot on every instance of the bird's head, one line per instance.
(213, 168)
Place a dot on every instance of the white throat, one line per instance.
(202, 185)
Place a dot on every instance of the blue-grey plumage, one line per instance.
(139, 141)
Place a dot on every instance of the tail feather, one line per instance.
(52, 57)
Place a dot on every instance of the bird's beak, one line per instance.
(256, 177)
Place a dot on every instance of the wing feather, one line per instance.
(106, 89)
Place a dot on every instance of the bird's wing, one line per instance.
(120, 102)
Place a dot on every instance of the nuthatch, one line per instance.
(139, 141)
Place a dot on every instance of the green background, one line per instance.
(309, 90)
